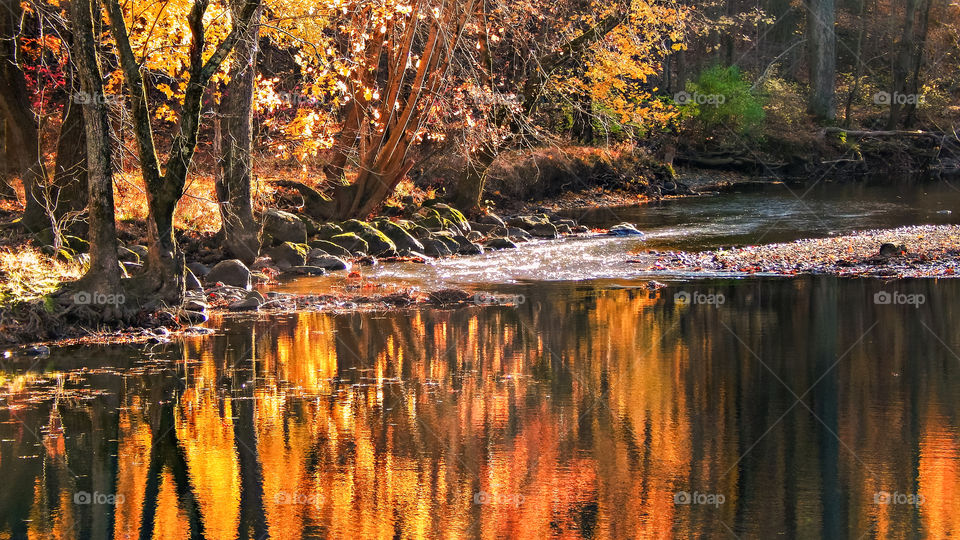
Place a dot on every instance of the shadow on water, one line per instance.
(801, 408)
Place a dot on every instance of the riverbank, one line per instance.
(907, 252)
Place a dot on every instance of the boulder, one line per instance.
(199, 269)
(523, 222)
(433, 247)
(499, 243)
(193, 317)
(284, 227)
(328, 262)
(624, 229)
(289, 254)
(330, 248)
(491, 219)
(452, 215)
(466, 247)
(191, 281)
(518, 235)
(350, 242)
(250, 302)
(328, 231)
(378, 244)
(544, 230)
(230, 272)
(403, 240)
(307, 270)
(475, 236)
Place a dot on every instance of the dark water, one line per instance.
(761, 408)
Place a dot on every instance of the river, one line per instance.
(574, 403)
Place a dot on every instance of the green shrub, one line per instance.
(721, 97)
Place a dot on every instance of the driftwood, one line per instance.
(890, 133)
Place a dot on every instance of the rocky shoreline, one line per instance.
(906, 252)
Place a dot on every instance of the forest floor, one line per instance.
(905, 252)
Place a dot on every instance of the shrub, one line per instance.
(721, 97)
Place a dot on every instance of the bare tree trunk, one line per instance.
(914, 87)
(902, 64)
(7, 171)
(821, 17)
(858, 71)
(69, 188)
(103, 276)
(164, 276)
(22, 138)
(239, 230)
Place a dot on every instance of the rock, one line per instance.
(284, 227)
(485, 228)
(624, 229)
(500, 243)
(544, 230)
(350, 242)
(518, 235)
(307, 270)
(289, 254)
(259, 278)
(253, 300)
(330, 248)
(328, 231)
(193, 317)
(892, 250)
(564, 221)
(378, 244)
(37, 350)
(263, 262)
(435, 248)
(524, 222)
(191, 282)
(328, 262)
(402, 240)
(435, 223)
(448, 240)
(491, 219)
(580, 229)
(199, 269)
(563, 228)
(453, 216)
(230, 272)
(195, 305)
(475, 236)
(466, 247)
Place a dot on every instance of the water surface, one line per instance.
(760, 408)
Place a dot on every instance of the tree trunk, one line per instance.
(7, 171)
(70, 174)
(902, 64)
(22, 124)
(239, 230)
(103, 276)
(468, 192)
(914, 87)
(821, 17)
(163, 278)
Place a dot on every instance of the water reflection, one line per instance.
(586, 412)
